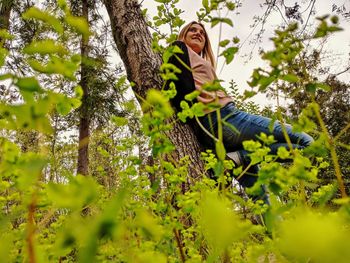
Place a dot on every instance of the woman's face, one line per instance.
(195, 38)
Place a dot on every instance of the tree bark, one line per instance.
(84, 124)
(134, 41)
(5, 12)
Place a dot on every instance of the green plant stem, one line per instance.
(182, 63)
(220, 34)
(333, 152)
(205, 130)
(218, 116)
(347, 127)
(284, 129)
(244, 171)
(302, 191)
(179, 245)
(31, 229)
(345, 146)
(46, 219)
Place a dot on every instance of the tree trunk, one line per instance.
(84, 132)
(5, 11)
(134, 41)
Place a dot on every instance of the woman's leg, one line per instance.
(248, 127)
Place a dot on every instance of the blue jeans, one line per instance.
(248, 126)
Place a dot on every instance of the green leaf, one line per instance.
(323, 86)
(193, 95)
(119, 121)
(171, 91)
(334, 29)
(28, 84)
(322, 18)
(224, 43)
(63, 106)
(212, 86)
(63, 5)
(170, 51)
(272, 123)
(217, 20)
(323, 29)
(229, 54)
(227, 21)
(82, 189)
(248, 94)
(29, 168)
(251, 145)
(264, 82)
(4, 34)
(324, 194)
(230, 6)
(221, 225)
(311, 87)
(78, 90)
(290, 78)
(235, 40)
(205, 4)
(169, 71)
(156, 101)
(6, 76)
(104, 226)
(44, 47)
(198, 109)
(184, 105)
(3, 54)
(79, 24)
(57, 65)
(282, 153)
(325, 234)
(335, 19)
(36, 13)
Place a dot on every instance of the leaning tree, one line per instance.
(134, 43)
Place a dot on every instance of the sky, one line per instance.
(241, 68)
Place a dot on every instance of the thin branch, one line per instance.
(336, 138)
(308, 17)
(334, 155)
(220, 34)
(307, 7)
(180, 246)
(263, 20)
(279, 10)
(342, 72)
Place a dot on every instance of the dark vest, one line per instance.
(185, 83)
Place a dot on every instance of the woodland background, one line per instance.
(95, 165)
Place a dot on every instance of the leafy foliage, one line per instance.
(129, 210)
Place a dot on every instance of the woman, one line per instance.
(198, 56)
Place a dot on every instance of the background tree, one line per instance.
(84, 122)
(5, 11)
(102, 97)
(10, 13)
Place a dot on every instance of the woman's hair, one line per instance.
(207, 52)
